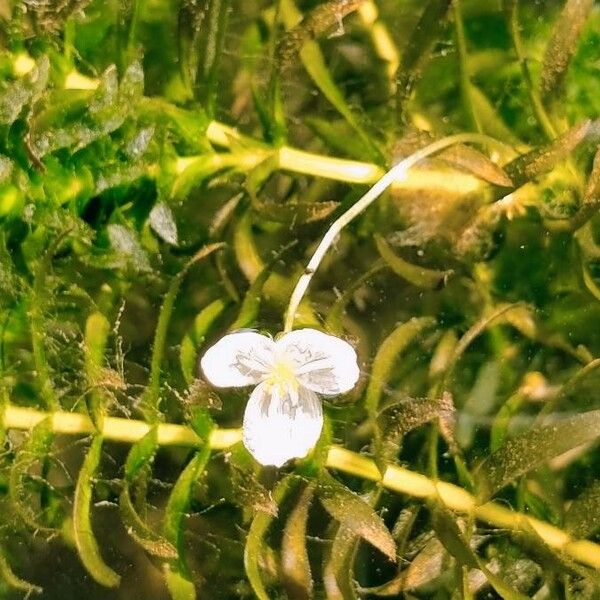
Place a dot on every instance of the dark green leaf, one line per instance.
(533, 448)
(13, 581)
(419, 276)
(352, 512)
(582, 518)
(418, 48)
(542, 159)
(255, 539)
(562, 45)
(295, 567)
(455, 542)
(179, 501)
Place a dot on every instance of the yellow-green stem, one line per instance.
(395, 478)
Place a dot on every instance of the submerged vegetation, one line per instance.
(167, 170)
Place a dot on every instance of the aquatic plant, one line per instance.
(410, 187)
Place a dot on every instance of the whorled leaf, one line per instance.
(111, 104)
(352, 512)
(295, 567)
(477, 163)
(333, 321)
(150, 401)
(535, 447)
(252, 300)
(299, 40)
(85, 540)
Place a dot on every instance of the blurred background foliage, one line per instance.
(166, 169)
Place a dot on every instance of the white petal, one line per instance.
(275, 430)
(323, 363)
(238, 359)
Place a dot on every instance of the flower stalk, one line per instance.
(395, 478)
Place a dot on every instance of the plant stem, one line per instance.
(396, 173)
(396, 479)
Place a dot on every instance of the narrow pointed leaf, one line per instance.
(422, 277)
(188, 353)
(352, 512)
(562, 44)
(85, 540)
(295, 567)
(535, 447)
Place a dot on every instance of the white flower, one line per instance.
(283, 417)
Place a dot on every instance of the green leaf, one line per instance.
(85, 540)
(466, 157)
(295, 568)
(13, 581)
(417, 50)
(211, 37)
(315, 66)
(179, 502)
(535, 447)
(97, 330)
(582, 518)
(35, 449)
(387, 355)
(458, 546)
(255, 539)
(422, 277)
(20, 93)
(542, 159)
(179, 587)
(140, 531)
(151, 397)
(193, 340)
(562, 45)
(127, 248)
(397, 419)
(352, 512)
(338, 573)
(246, 488)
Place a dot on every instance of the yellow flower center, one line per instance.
(282, 377)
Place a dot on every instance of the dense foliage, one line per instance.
(167, 167)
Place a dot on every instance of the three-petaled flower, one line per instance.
(283, 417)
